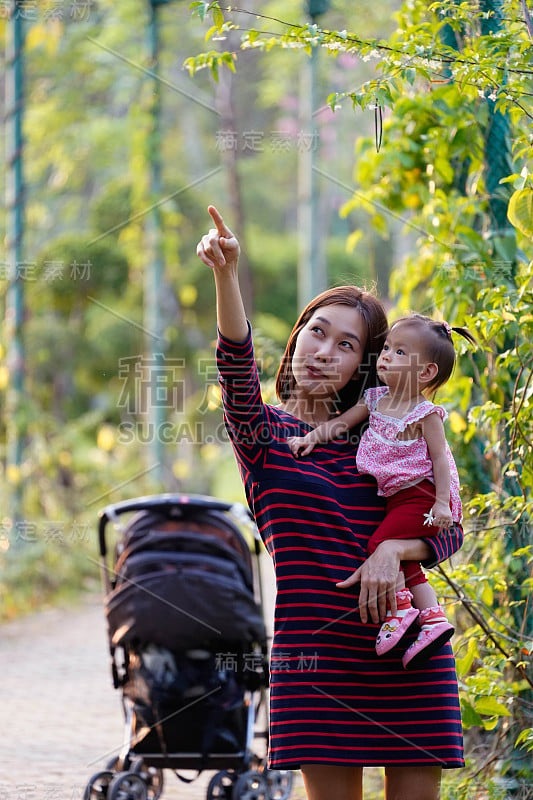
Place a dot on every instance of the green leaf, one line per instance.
(252, 36)
(332, 100)
(218, 16)
(523, 551)
(229, 60)
(214, 29)
(464, 663)
(200, 8)
(520, 211)
(444, 168)
(470, 717)
(353, 240)
(491, 707)
(505, 250)
(517, 180)
(487, 595)
(525, 738)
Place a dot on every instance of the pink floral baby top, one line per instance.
(399, 463)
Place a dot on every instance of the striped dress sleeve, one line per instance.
(444, 545)
(245, 415)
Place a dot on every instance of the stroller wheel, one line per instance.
(127, 786)
(221, 786)
(279, 783)
(98, 785)
(153, 779)
(250, 785)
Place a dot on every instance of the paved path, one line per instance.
(61, 718)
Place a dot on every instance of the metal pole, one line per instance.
(498, 148)
(14, 314)
(312, 273)
(153, 305)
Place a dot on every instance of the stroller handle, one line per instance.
(166, 503)
(162, 502)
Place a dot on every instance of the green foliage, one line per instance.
(211, 60)
(520, 211)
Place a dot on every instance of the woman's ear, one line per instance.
(429, 372)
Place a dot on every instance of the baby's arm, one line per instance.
(433, 432)
(327, 431)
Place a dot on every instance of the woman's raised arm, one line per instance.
(219, 249)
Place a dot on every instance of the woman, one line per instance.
(334, 706)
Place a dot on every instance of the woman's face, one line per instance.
(329, 350)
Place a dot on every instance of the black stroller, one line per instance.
(188, 647)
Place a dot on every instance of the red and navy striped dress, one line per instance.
(332, 701)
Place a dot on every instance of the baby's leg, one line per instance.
(404, 519)
(423, 595)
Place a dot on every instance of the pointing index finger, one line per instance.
(220, 225)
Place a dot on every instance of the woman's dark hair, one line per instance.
(371, 311)
(437, 345)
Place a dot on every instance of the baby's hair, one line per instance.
(438, 345)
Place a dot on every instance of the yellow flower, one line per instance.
(188, 295)
(457, 422)
(210, 452)
(13, 474)
(181, 469)
(214, 396)
(4, 377)
(105, 438)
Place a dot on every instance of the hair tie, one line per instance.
(448, 329)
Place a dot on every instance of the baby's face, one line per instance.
(402, 359)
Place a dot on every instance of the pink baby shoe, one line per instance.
(394, 628)
(435, 631)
